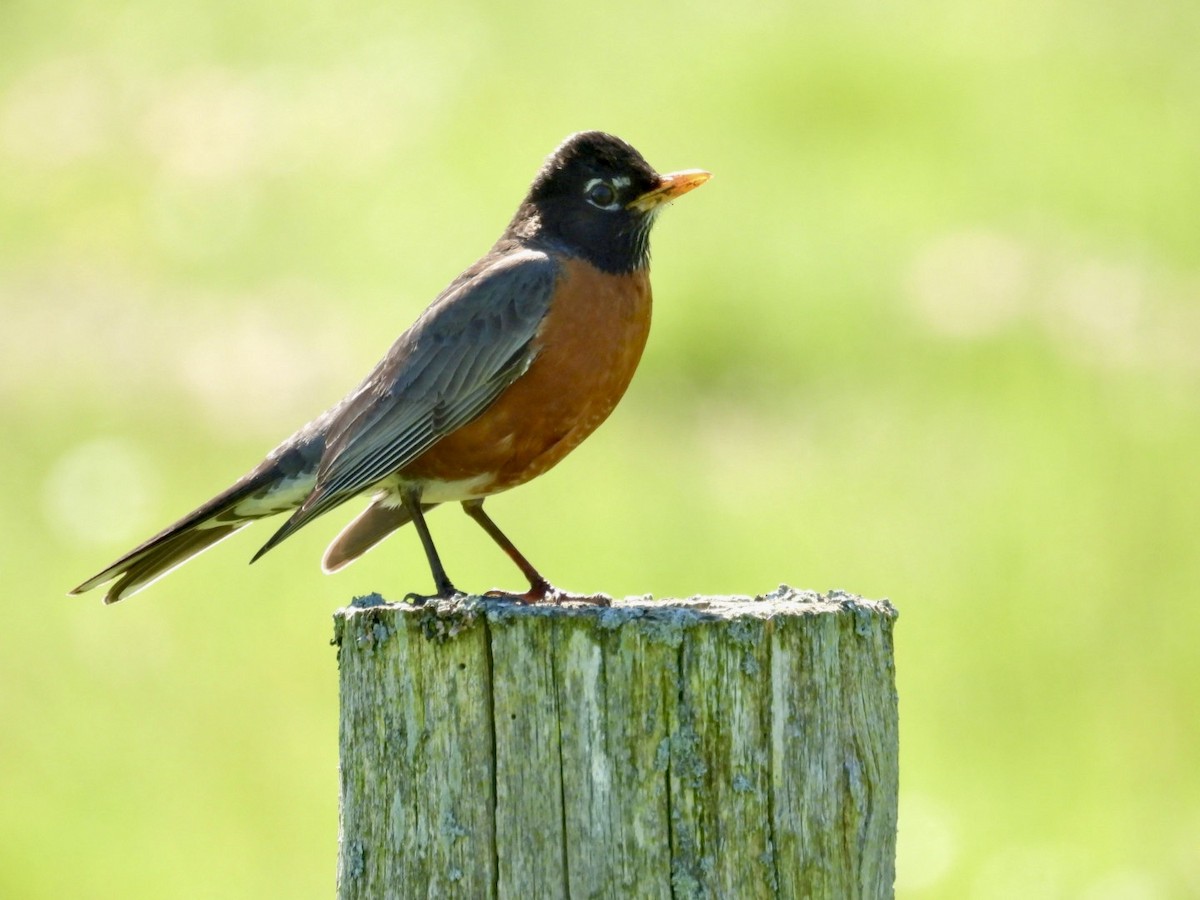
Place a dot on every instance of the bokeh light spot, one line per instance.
(926, 845)
(969, 284)
(55, 114)
(101, 491)
(1127, 884)
(1028, 872)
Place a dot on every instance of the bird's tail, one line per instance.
(279, 484)
(158, 556)
(370, 527)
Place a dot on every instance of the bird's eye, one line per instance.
(601, 194)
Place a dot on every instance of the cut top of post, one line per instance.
(669, 615)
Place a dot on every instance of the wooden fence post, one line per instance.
(716, 747)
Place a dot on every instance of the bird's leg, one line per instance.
(410, 496)
(540, 590)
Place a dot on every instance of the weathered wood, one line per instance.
(713, 747)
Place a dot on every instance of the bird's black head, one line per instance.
(596, 198)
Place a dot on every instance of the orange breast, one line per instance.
(588, 348)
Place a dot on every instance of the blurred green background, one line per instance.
(931, 333)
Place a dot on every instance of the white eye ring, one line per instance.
(601, 194)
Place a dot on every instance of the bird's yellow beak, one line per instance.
(670, 186)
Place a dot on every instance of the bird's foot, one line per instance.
(542, 591)
(446, 591)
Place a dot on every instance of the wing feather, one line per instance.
(470, 344)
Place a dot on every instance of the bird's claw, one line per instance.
(545, 592)
(421, 599)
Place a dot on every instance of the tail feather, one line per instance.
(164, 557)
(371, 526)
(280, 483)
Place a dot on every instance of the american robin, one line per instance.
(517, 361)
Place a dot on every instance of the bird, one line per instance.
(509, 369)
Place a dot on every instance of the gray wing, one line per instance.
(470, 344)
